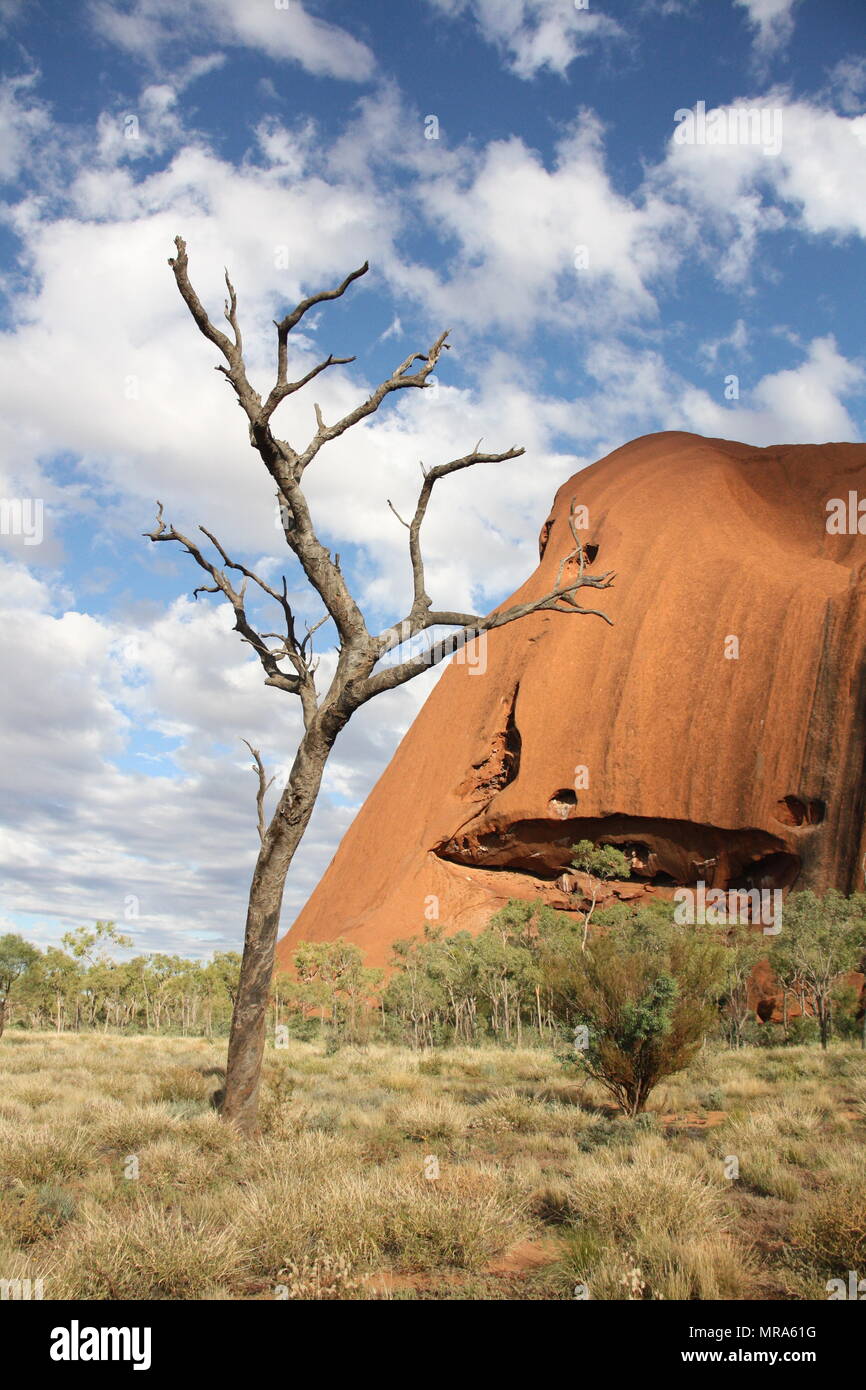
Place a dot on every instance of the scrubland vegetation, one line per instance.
(541, 1111)
(545, 1189)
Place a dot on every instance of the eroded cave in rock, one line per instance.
(500, 765)
(660, 852)
(797, 810)
(563, 802)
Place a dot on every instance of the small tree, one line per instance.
(821, 941)
(287, 659)
(645, 996)
(16, 956)
(601, 864)
(744, 948)
(333, 979)
(91, 945)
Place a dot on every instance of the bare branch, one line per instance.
(353, 681)
(231, 314)
(179, 265)
(307, 642)
(282, 387)
(263, 786)
(288, 388)
(578, 545)
(249, 399)
(285, 325)
(417, 618)
(397, 381)
(222, 584)
(470, 626)
(561, 599)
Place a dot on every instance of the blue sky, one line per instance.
(512, 171)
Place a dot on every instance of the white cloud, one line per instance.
(637, 392)
(800, 405)
(536, 34)
(846, 85)
(25, 122)
(737, 341)
(538, 244)
(153, 30)
(738, 193)
(773, 21)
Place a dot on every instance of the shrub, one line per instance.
(802, 1031)
(644, 996)
(832, 1232)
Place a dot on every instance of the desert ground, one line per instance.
(743, 1181)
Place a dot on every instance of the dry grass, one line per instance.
(118, 1180)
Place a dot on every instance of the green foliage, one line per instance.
(91, 945)
(85, 988)
(821, 941)
(603, 861)
(845, 1003)
(332, 983)
(16, 955)
(465, 988)
(744, 949)
(802, 1031)
(642, 1000)
(531, 976)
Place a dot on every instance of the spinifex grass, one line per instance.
(119, 1181)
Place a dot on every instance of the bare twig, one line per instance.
(263, 787)
(298, 684)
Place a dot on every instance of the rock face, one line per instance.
(716, 732)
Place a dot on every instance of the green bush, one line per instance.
(641, 1000)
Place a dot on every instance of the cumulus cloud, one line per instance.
(636, 391)
(152, 30)
(534, 35)
(846, 85)
(816, 182)
(538, 244)
(799, 405)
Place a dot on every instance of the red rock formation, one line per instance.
(651, 735)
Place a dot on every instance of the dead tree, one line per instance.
(286, 658)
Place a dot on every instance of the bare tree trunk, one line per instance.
(249, 1017)
(823, 1011)
(589, 915)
